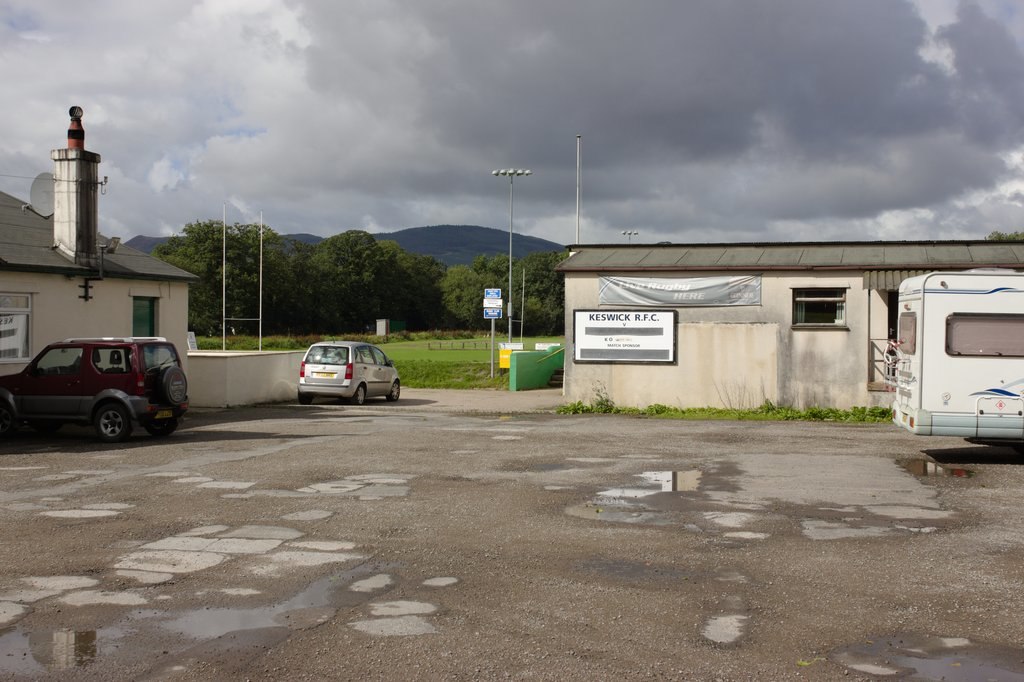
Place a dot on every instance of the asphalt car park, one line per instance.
(448, 536)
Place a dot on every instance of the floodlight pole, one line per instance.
(511, 173)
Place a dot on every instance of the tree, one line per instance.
(1005, 236)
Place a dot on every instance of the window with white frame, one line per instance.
(15, 311)
(819, 308)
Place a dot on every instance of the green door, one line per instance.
(143, 316)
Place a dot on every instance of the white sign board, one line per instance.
(192, 344)
(493, 303)
(644, 336)
(516, 345)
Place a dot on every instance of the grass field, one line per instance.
(459, 360)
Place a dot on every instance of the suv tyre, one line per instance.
(7, 422)
(160, 428)
(173, 385)
(113, 423)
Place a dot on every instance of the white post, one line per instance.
(224, 278)
(578, 187)
(261, 282)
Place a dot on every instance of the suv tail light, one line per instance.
(302, 370)
(140, 384)
(348, 371)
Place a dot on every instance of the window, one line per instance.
(378, 355)
(819, 308)
(985, 334)
(908, 333)
(15, 310)
(63, 360)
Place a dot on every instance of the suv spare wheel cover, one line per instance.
(174, 385)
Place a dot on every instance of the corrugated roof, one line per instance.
(895, 256)
(26, 245)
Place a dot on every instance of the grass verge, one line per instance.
(766, 412)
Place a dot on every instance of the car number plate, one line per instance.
(164, 414)
(324, 375)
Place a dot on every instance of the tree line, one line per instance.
(346, 282)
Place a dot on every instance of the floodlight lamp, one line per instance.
(495, 172)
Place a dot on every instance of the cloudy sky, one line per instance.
(701, 120)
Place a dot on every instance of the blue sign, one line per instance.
(492, 293)
(492, 313)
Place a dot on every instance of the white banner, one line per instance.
(680, 291)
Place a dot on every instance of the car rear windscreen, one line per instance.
(327, 355)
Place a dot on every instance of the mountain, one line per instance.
(450, 244)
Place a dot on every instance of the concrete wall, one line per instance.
(228, 379)
(740, 356)
(58, 312)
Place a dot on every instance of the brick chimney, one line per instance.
(75, 190)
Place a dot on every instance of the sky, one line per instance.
(698, 120)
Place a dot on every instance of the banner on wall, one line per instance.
(680, 291)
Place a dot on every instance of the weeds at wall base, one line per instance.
(768, 411)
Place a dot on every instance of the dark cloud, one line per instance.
(727, 118)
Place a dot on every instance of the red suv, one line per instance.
(111, 383)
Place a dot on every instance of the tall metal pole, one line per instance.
(579, 185)
(522, 308)
(511, 173)
(511, 184)
(224, 278)
(261, 281)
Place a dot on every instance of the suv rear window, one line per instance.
(328, 355)
(157, 356)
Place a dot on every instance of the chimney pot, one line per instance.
(76, 133)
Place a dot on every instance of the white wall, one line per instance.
(231, 378)
(739, 356)
(58, 312)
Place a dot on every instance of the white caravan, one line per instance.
(958, 365)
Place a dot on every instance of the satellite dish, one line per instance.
(41, 195)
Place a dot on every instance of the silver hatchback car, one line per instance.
(347, 369)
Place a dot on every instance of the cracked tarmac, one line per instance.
(386, 540)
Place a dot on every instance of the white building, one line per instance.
(59, 277)
(735, 325)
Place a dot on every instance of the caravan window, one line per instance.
(985, 334)
(908, 333)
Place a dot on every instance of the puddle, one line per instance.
(34, 653)
(639, 503)
(674, 481)
(933, 658)
(311, 607)
(926, 467)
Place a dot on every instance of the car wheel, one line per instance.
(174, 385)
(7, 421)
(305, 398)
(359, 397)
(43, 426)
(113, 424)
(161, 427)
(396, 390)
